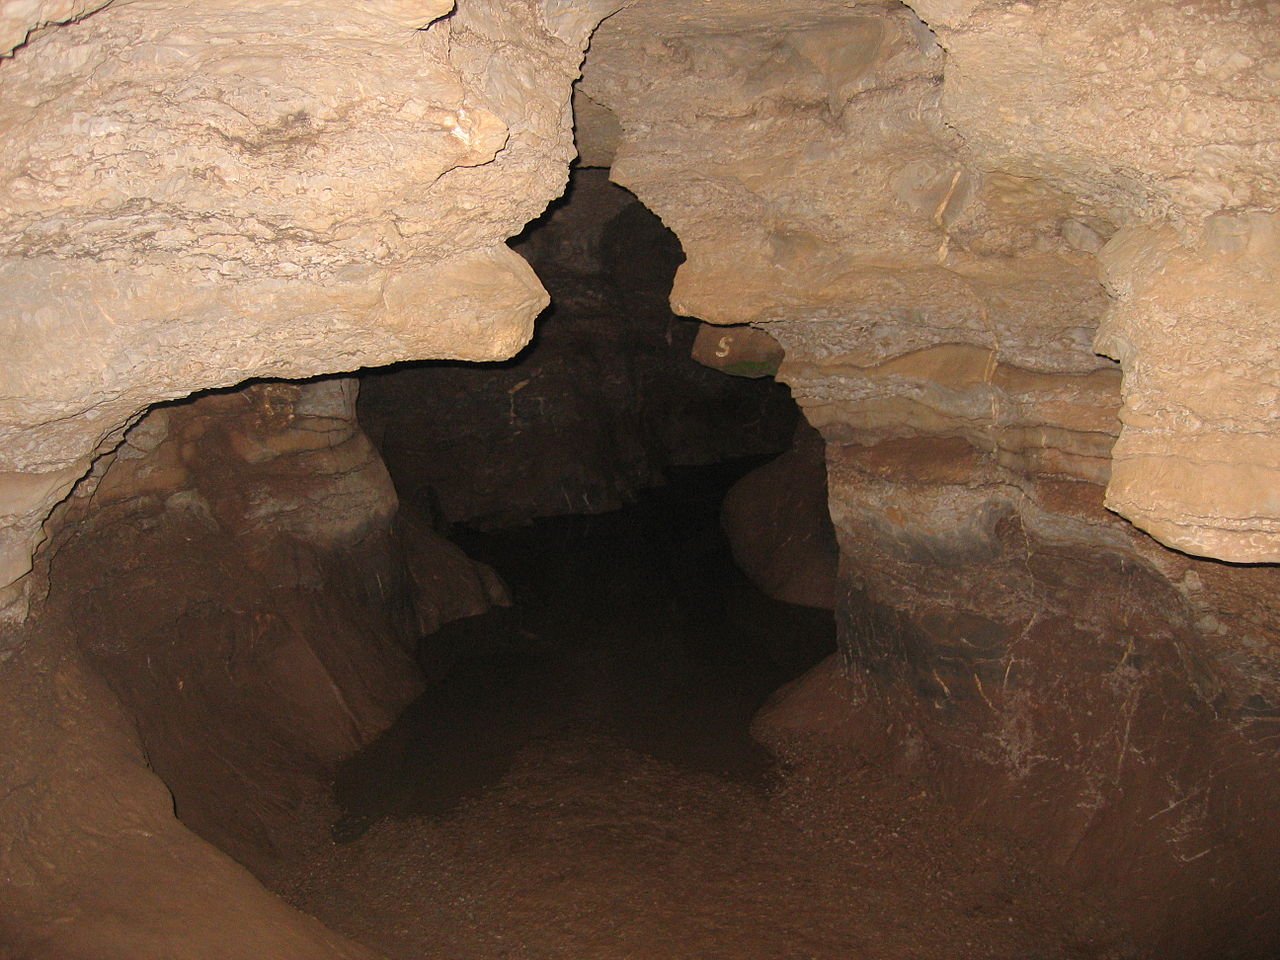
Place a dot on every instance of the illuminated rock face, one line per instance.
(955, 218)
(873, 184)
(1021, 264)
(198, 195)
(1164, 121)
(194, 196)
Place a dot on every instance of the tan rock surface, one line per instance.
(942, 220)
(869, 187)
(194, 196)
(824, 199)
(1165, 120)
(603, 404)
(1197, 464)
(198, 195)
(20, 20)
(952, 228)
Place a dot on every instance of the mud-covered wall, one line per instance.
(236, 597)
(955, 218)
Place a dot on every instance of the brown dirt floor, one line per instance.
(588, 849)
(586, 788)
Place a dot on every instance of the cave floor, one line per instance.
(580, 782)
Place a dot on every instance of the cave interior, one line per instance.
(640, 478)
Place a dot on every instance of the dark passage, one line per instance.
(579, 778)
(634, 626)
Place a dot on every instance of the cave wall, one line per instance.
(966, 180)
(196, 195)
(204, 606)
(779, 525)
(240, 573)
(601, 404)
(1018, 258)
(239, 590)
(948, 214)
(96, 866)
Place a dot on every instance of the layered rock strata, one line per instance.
(948, 216)
(199, 195)
(953, 218)
(956, 177)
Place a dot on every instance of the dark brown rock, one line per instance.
(778, 526)
(1050, 671)
(231, 611)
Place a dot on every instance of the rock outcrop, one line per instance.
(913, 185)
(198, 195)
(954, 218)
(1165, 122)
(1018, 262)
(779, 525)
(220, 602)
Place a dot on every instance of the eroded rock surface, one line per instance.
(96, 866)
(195, 196)
(230, 589)
(909, 188)
(953, 218)
(779, 525)
(198, 195)
(1021, 260)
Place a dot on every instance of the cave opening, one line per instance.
(480, 659)
(533, 659)
(580, 774)
(589, 472)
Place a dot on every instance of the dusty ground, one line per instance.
(587, 849)
(581, 784)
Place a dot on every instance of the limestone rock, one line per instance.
(21, 19)
(1197, 464)
(1087, 91)
(826, 201)
(222, 570)
(199, 195)
(447, 584)
(953, 224)
(596, 131)
(91, 838)
(885, 185)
